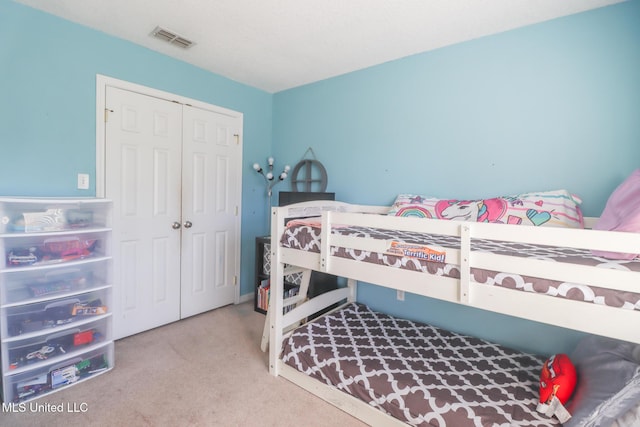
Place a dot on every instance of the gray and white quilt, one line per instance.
(307, 238)
(420, 374)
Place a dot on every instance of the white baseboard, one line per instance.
(245, 298)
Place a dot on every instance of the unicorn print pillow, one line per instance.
(550, 208)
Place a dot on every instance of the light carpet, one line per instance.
(207, 370)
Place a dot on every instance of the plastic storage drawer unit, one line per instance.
(55, 294)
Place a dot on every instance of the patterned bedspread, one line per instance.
(420, 374)
(307, 237)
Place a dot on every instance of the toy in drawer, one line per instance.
(38, 221)
(52, 250)
(37, 349)
(26, 286)
(32, 318)
(33, 383)
(53, 219)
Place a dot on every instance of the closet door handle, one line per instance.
(176, 225)
(188, 224)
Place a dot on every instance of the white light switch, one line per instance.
(83, 181)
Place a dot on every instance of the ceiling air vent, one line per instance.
(171, 37)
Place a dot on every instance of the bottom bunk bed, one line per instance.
(417, 373)
(391, 371)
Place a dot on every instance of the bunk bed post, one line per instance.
(465, 262)
(325, 245)
(352, 284)
(276, 298)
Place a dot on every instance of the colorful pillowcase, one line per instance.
(622, 213)
(551, 209)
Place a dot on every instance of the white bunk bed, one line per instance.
(621, 323)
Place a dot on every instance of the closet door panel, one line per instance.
(143, 140)
(210, 210)
(221, 267)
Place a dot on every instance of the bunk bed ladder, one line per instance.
(291, 301)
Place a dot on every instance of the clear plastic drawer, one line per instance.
(46, 315)
(46, 215)
(23, 354)
(26, 286)
(52, 249)
(42, 380)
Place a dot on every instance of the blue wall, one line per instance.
(553, 105)
(47, 108)
(550, 105)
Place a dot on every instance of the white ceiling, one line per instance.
(279, 44)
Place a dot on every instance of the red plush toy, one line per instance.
(557, 383)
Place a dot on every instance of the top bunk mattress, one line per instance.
(305, 236)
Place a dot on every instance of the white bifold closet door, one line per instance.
(172, 171)
(211, 194)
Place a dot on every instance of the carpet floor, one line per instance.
(207, 370)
